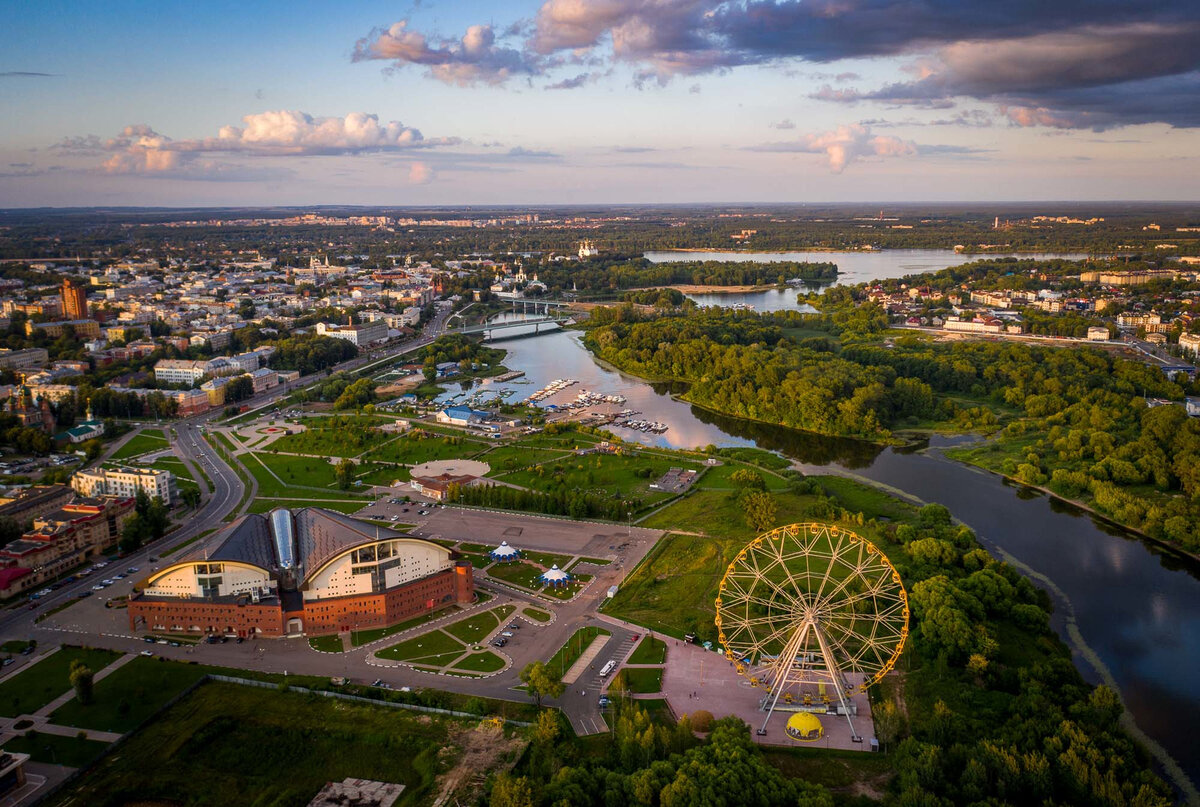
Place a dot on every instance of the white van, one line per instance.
(607, 668)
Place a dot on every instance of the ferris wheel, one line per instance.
(807, 606)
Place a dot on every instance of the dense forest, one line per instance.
(1076, 420)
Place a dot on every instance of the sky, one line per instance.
(597, 101)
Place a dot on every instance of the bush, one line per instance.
(702, 720)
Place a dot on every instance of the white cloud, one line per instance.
(420, 174)
(844, 145)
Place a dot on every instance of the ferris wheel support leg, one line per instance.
(784, 665)
(838, 680)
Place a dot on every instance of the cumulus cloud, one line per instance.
(786, 123)
(139, 149)
(1067, 63)
(844, 145)
(570, 83)
(474, 59)
(420, 174)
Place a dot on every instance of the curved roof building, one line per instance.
(555, 576)
(505, 552)
(310, 570)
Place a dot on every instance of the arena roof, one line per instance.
(319, 535)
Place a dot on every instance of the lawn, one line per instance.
(720, 477)
(638, 680)
(142, 443)
(434, 642)
(420, 446)
(475, 629)
(570, 652)
(326, 644)
(547, 559)
(518, 572)
(484, 662)
(128, 696)
(649, 651)
(196, 755)
(537, 614)
(41, 683)
(608, 474)
(292, 471)
(55, 749)
(513, 457)
(568, 591)
(335, 436)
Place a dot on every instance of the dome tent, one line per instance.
(804, 727)
(505, 553)
(555, 577)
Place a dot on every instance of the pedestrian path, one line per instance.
(61, 700)
(581, 664)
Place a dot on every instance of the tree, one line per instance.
(541, 682)
(190, 497)
(511, 791)
(547, 728)
(81, 681)
(759, 509)
(889, 722)
(747, 478)
(345, 473)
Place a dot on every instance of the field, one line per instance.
(638, 680)
(56, 749)
(41, 683)
(205, 740)
(337, 436)
(649, 651)
(626, 475)
(421, 446)
(291, 471)
(128, 696)
(145, 441)
(521, 455)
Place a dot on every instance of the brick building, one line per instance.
(307, 571)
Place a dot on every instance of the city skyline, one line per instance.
(597, 101)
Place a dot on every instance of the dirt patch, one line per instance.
(482, 750)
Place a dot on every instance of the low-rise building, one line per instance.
(179, 371)
(29, 357)
(1095, 334)
(985, 325)
(1189, 343)
(126, 482)
(359, 335)
(38, 500)
(61, 540)
(436, 487)
(81, 328)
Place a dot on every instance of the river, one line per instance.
(1136, 607)
(853, 267)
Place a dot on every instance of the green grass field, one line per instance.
(484, 662)
(422, 446)
(625, 475)
(143, 442)
(291, 471)
(361, 637)
(37, 685)
(503, 459)
(432, 643)
(650, 650)
(518, 572)
(638, 680)
(719, 477)
(326, 644)
(474, 629)
(537, 614)
(128, 696)
(198, 751)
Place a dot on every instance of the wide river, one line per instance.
(1130, 611)
(853, 267)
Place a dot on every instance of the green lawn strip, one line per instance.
(434, 642)
(287, 472)
(650, 650)
(595, 561)
(361, 637)
(142, 443)
(475, 629)
(570, 652)
(200, 748)
(326, 644)
(720, 477)
(537, 614)
(128, 696)
(439, 660)
(638, 680)
(484, 662)
(55, 749)
(502, 459)
(35, 686)
(481, 549)
(478, 561)
(860, 498)
(15, 646)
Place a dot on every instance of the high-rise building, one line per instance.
(74, 300)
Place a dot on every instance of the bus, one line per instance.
(607, 668)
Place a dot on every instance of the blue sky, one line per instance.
(557, 101)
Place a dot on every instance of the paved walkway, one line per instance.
(61, 700)
(581, 664)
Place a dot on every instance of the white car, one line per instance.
(46, 592)
(99, 587)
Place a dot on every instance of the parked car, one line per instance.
(148, 640)
(83, 594)
(147, 653)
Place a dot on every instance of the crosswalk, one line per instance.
(590, 684)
